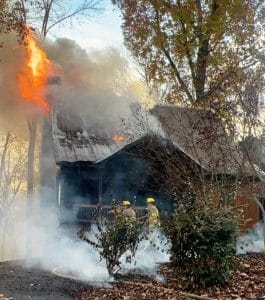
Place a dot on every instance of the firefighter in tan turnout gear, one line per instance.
(129, 215)
(128, 212)
(152, 214)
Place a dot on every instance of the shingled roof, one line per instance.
(195, 132)
(77, 138)
(201, 136)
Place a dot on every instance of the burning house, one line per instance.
(99, 166)
(156, 156)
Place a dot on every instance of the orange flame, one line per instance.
(118, 138)
(34, 77)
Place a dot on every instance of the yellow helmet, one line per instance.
(150, 200)
(126, 203)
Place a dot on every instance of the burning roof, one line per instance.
(77, 138)
(195, 132)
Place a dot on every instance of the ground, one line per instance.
(247, 283)
(20, 282)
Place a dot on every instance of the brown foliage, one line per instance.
(247, 283)
(198, 49)
(11, 20)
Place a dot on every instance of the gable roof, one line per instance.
(197, 133)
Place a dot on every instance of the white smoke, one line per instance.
(45, 245)
(151, 252)
(252, 241)
(61, 251)
(97, 87)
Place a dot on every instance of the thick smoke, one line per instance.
(96, 87)
(13, 110)
(150, 253)
(59, 250)
(44, 244)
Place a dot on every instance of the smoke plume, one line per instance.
(12, 109)
(60, 251)
(95, 87)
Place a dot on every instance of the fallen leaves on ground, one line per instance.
(247, 283)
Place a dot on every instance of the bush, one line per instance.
(203, 242)
(114, 238)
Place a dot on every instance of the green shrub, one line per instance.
(114, 238)
(202, 244)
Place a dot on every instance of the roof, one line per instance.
(77, 138)
(195, 132)
(202, 137)
(253, 147)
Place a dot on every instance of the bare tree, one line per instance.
(13, 160)
(46, 14)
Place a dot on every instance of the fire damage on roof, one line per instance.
(100, 163)
(195, 132)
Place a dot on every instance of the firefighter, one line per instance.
(129, 215)
(152, 214)
(128, 212)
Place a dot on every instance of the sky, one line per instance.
(102, 31)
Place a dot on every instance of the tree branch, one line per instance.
(3, 156)
(185, 43)
(171, 62)
(85, 6)
(180, 80)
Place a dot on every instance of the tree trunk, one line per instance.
(3, 158)
(32, 126)
(47, 169)
(3, 244)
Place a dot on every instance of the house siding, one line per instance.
(245, 200)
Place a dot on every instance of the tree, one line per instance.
(13, 160)
(199, 48)
(10, 19)
(46, 14)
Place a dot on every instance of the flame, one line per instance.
(118, 138)
(34, 77)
